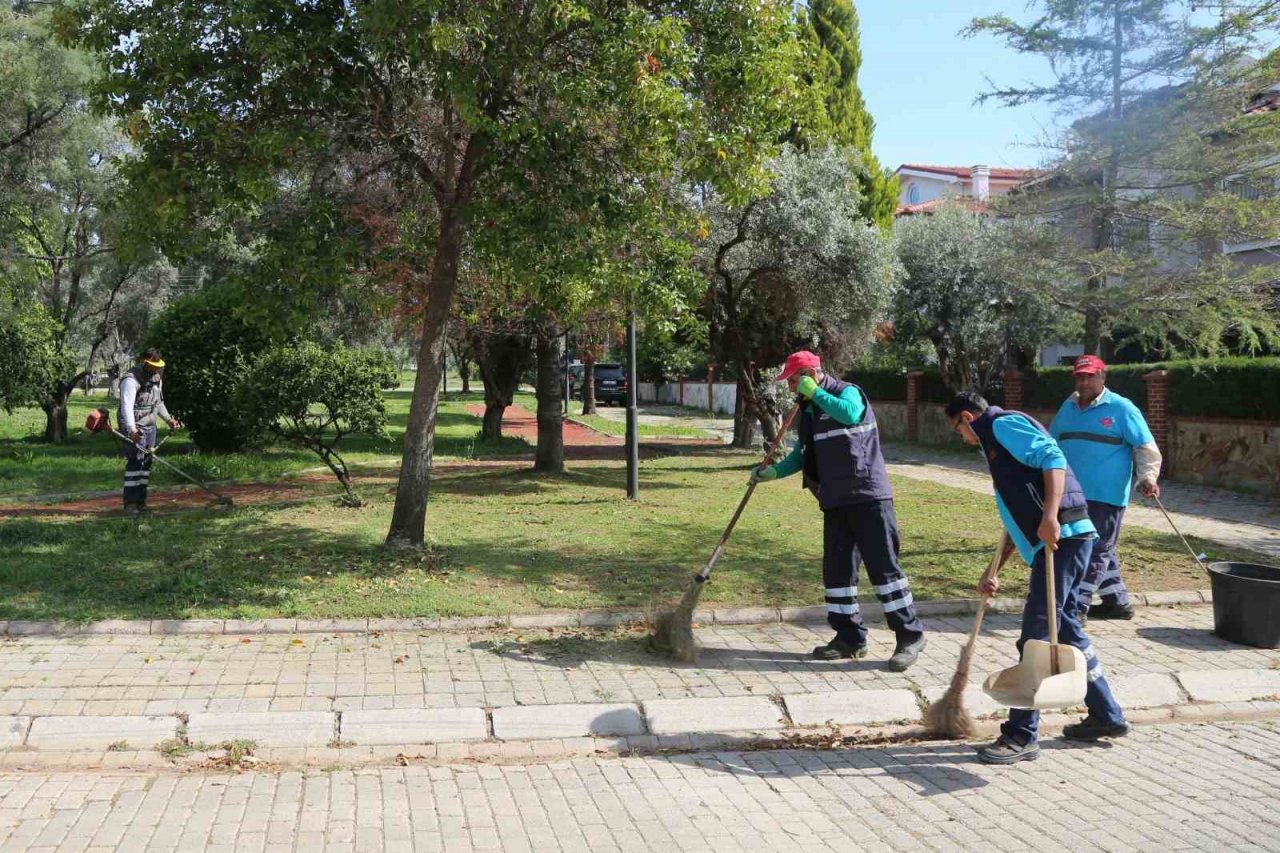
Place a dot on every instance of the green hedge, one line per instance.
(1226, 388)
(880, 383)
(1220, 388)
(891, 384)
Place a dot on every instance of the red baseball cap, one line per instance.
(1087, 365)
(798, 361)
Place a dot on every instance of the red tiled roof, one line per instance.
(997, 173)
(927, 207)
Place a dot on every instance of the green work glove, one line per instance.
(807, 387)
(762, 475)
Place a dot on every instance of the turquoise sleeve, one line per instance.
(1133, 426)
(848, 408)
(792, 463)
(1028, 444)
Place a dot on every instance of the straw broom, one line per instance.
(672, 633)
(948, 717)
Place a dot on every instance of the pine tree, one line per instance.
(831, 29)
(1142, 197)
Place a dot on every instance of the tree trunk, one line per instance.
(549, 456)
(491, 428)
(768, 419)
(409, 515)
(55, 419)
(464, 372)
(55, 409)
(501, 359)
(1104, 226)
(744, 419)
(589, 385)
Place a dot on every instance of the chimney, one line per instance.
(981, 182)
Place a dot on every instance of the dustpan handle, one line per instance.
(1051, 593)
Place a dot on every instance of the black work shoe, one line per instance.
(1006, 751)
(906, 653)
(1090, 729)
(1107, 610)
(133, 509)
(838, 650)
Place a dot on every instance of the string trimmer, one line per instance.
(673, 629)
(100, 421)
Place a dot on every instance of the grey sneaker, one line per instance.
(1006, 751)
(838, 650)
(907, 653)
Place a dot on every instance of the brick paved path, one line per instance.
(122, 674)
(1205, 787)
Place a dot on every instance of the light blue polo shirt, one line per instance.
(1027, 443)
(1099, 443)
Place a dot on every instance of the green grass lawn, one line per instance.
(504, 540)
(91, 463)
(619, 428)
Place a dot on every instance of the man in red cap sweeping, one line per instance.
(1106, 441)
(839, 454)
(141, 403)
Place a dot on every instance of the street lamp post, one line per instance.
(633, 427)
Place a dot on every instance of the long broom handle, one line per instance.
(1051, 593)
(1199, 558)
(966, 656)
(742, 504)
(175, 469)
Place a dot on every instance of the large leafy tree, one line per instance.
(454, 104)
(66, 240)
(954, 295)
(830, 28)
(796, 268)
(1146, 190)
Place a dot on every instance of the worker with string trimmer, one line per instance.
(141, 404)
(839, 454)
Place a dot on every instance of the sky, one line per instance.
(919, 79)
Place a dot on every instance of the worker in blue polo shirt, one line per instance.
(839, 453)
(1042, 505)
(1105, 439)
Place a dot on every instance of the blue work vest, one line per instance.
(1020, 486)
(843, 464)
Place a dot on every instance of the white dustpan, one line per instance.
(1049, 675)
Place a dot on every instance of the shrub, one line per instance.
(208, 345)
(315, 396)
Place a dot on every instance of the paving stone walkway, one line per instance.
(313, 696)
(1168, 788)
(122, 674)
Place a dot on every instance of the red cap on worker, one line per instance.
(796, 362)
(1088, 364)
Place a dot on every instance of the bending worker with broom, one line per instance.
(1042, 506)
(839, 453)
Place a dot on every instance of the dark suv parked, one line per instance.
(611, 383)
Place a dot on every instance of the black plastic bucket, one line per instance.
(1246, 603)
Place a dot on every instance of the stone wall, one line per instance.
(1235, 454)
(892, 420)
